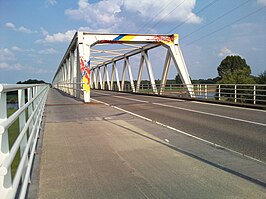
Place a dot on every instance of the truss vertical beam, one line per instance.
(116, 76)
(112, 76)
(150, 73)
(106, 78)
(99, 79)
(123, 76)
(140, 73)
(94, 77)
(130, 74)
(165, 72)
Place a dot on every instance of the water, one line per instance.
(12, 106)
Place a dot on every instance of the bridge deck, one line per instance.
(93, 151)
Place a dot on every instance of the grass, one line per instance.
(13, 132)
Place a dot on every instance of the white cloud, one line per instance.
(102, 14)
(44, 32)
(111, 15)
(19, 29)
(58, 37)
(10, 25)
(6, 66)
(6, 54)
(48, 51)
(15, 48)
(226, 52)
(261, 2)
(37, 70)
(180, 10)
(3, 65)
(51, 2)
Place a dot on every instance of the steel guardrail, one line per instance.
(31, 102)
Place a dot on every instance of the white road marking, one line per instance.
(132, 99)
(211, 114)
(197, 102)
(223, 105)
(180, 131)
(100, 93)
(195, 111)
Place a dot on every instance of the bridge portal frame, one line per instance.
(81, 67)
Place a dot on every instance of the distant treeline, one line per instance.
(12, 97)
(32, 81)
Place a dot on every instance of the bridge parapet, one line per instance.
(26, 122)
(89, 58)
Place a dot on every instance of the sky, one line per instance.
(34, 34)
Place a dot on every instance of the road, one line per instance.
(90, 150)
(238, 129)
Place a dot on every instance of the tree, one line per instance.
(234, 70)
(178, 79)
(32, 81)
(261, 79)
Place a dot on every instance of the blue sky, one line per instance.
(34, 35)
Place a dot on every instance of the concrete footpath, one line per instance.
(93, 151)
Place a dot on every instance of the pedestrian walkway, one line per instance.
(92, 151)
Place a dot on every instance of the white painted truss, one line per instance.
(92, 57)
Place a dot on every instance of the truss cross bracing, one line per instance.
(91, 62)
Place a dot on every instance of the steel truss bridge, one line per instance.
(93, 54)
(111, 142)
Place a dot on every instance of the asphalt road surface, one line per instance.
(239, 129)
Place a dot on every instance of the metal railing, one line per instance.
(237, 93)
(27, 121)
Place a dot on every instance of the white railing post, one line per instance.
(205, 91)
(22, 122)
(235, 94)
(254, 94)
(219, 91)
(5, 175)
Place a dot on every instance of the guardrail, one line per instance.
(28, 117)
(237, 93)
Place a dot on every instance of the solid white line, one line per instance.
(132, 99)
(100, 102)
(180, 131)
(177, 100)
(195, 111)
(211, 114)
(101, 93)
(223, 105)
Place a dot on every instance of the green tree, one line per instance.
(261, 79)
(234, 70)
(178, 79)
(32, 81)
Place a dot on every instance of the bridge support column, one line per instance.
(84, 63)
